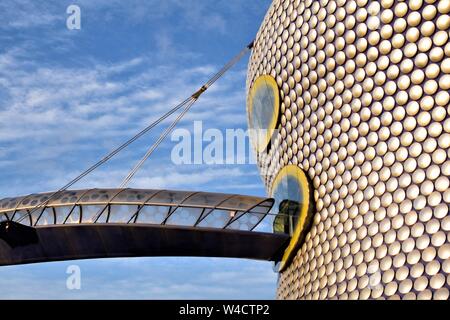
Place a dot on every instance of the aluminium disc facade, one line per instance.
(364, 112)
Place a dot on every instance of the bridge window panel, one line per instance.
(107, 195)
(67, 197)
(7, 214)
(4, 204)
(152, 214)
(185, 216)
(9, 203)
(217, 219)
(35, 214)
(133, 196)
(121, 213)
(37, 199)
(3, 217)
(91, 212)
(242, 203)
(47, 218)
(246, 221)
(102, 196)
(62, 213)
(122, 196)
(144, 195)
(263, 110)
(74, 217)
(260, 209)
(42, 198)
(103, 218)
(23, 217)
(206, 199)
(24, 202)
(266, 225)
(235, 216)
(169, 197)
(92, 196)
(263, 207)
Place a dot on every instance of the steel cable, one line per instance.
(110, 155)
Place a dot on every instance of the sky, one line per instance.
(67, 97)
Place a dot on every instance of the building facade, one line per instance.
(357, 93)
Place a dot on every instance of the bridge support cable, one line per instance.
(156, 144)
(187, 102)
(194, 98)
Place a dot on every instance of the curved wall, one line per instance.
(364, 89)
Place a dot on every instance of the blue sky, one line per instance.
(69, 96)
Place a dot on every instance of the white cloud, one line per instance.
(50, 112)
(28, 14)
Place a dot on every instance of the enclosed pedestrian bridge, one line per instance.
(102, 223)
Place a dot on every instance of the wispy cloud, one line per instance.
(49, 112)
(143, 278)
(20, 14)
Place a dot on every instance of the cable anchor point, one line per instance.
(199, 92)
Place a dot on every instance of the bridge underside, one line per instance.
(57, 243)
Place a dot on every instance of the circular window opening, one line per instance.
(294, 205)
(264, 108)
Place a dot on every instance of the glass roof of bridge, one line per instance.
(192, 209)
